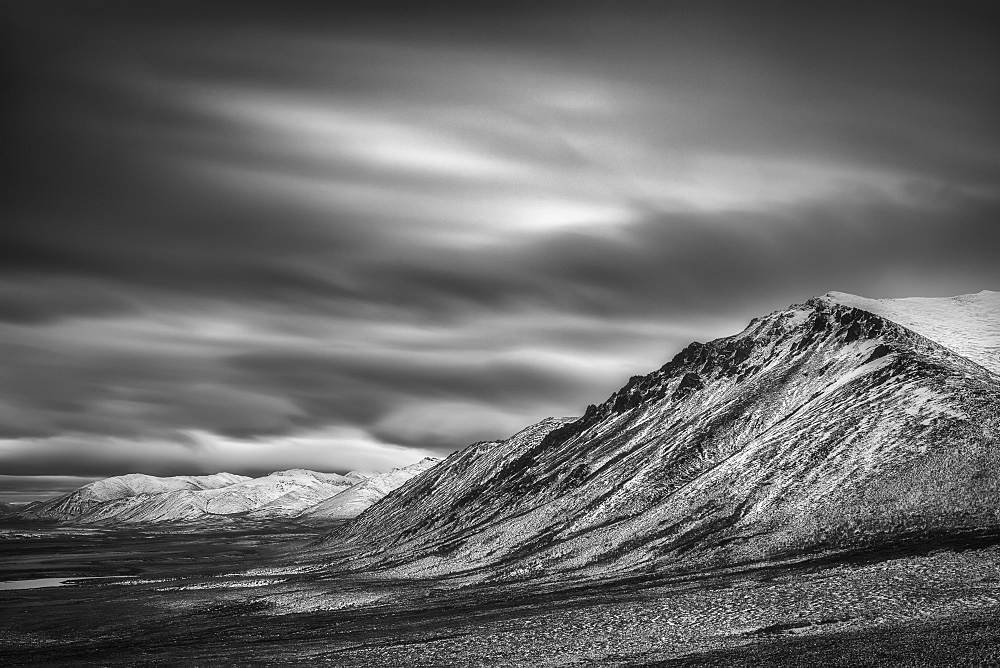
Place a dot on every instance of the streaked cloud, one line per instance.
(348, 239)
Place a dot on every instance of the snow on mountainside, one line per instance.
(91, 496)
(138, 483)
(137, 498)
(296, 488)
(967, 323)
(820, 427)
(356, 499)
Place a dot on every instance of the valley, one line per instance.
(263, 597)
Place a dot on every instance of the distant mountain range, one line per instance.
(843, 423)
(296, 494)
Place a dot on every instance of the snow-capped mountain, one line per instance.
(357, 498)
(295, 490)
(835, 424)
(137, 498)
(92, 497)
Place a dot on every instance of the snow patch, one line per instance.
(968, 324)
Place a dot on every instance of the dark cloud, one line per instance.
(20, 489)
(243, 235)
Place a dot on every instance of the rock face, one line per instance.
(137, 498)
(841, 423)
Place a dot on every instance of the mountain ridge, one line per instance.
(281, 495)
(964, 323)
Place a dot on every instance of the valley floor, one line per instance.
(230, 597)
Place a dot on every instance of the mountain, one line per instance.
(294, 490)
(138, 498)
(839, 424)
(287, 493)
(90, 498)
(359, 497)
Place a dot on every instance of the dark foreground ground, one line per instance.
(246, 598)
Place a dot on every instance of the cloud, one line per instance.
(331, 450)
(372, 234)
(22, 489)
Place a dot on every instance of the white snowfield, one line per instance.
(966, 324)
(140, 498)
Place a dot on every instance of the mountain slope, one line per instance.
(824, 426)
(359, 497)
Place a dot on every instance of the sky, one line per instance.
(250, 237)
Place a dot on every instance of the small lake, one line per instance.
(39, 583)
